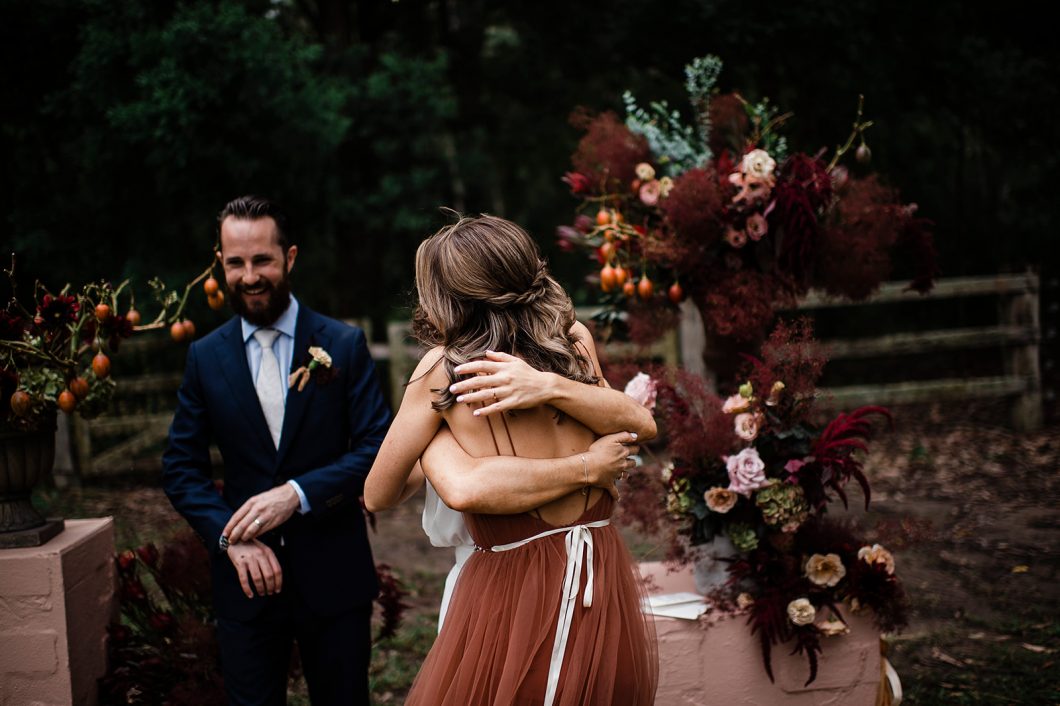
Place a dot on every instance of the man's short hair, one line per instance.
(251, 208)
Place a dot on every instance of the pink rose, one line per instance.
(650, 192)
(643, 389)
(747, 472)
(792, 467)
(736, 238)
(735, 404)
(757, 226)
(747, 425)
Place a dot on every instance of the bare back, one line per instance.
(540, 432)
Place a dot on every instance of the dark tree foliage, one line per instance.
(126, 126)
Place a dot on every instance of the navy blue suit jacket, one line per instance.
(331, 432)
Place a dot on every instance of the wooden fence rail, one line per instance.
(136, 425)
(1017, 333)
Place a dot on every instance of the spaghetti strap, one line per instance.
(588, 357)
(508, 431)
(493, 436)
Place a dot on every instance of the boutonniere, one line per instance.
(318, 359)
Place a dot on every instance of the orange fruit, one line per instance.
(102, 312)
(621, 275)
(676, 294)
(176, 331)
(210, 286)
(66, 401)
(605, 252)
(645, 288)
(603, 217)
(607, 278)
(101, 365)
(629, 289)
(133, 317)
(216, 301)
(21, 403)
(79, 386)
(189, 329)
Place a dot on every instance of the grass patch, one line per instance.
(397, 660)
(979, 662)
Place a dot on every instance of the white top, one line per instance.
(445, 528)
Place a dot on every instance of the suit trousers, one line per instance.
(335, 653)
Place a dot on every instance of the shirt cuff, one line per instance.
(302, 501)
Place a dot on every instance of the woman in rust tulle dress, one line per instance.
(547, 608)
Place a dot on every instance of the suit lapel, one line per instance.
(232, 356)
(308, 331)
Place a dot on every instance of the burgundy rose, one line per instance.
(133, 590)
(119, 633)
(126, 561)
(578, 183)
(57, 310)
(12, 326)
(148, 554)
(583, 223)
(162, 622)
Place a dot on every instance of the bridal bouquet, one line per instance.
(722, 211)
(758, 470)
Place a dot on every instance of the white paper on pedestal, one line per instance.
(685, 606)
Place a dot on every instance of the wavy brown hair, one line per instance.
(484, 287)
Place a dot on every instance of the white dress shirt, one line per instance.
(283, 348)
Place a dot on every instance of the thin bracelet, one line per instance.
(585, 470)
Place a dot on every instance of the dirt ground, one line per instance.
(968, 505)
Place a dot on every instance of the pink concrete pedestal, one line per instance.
(722, 664)
(56, 601)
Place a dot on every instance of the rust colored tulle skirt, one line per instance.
(496, 643)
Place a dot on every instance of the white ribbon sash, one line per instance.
(579, 544)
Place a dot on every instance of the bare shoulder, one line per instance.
(430, 369)
(582, 333)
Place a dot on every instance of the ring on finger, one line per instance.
(257, 521)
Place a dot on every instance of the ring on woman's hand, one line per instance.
(636, 459)
(257, 521)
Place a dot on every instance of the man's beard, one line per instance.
(279, 298)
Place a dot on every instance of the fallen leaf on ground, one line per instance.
(943, 657)
(1037, 648)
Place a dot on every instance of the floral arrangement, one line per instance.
(758, 470)
(163, 649)
(56, 348)
(722, 212)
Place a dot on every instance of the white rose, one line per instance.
(645, 172)
(758, 164)
(825, 569)
(801, 611)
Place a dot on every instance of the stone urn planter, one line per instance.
(25, 458)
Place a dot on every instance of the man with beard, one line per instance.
(289, 552)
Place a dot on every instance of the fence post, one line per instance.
(1022, 360)
(401, 365)
(693, 341)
